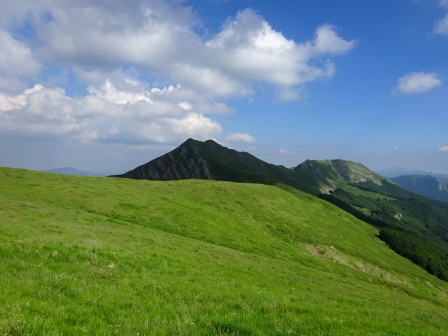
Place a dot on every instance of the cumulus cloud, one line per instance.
(106, 114)
(241, 137)
(147, 73)
(441, 26)
(15, 57)
(327, 41)
(160, 38)
(417, 82)
(16, 63)
(249, 49)
(443, 149)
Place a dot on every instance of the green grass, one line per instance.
(364, 193)
(104, 256)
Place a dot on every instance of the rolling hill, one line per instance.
(413, 226)
(96, 256)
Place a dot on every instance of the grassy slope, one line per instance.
(83, 255)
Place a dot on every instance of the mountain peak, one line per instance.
(183, 162)
(208, 160)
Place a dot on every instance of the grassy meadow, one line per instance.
(108, 256)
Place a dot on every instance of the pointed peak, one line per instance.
(189, 141)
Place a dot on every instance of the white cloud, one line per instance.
(16, 63)
(441, 26)
(417, 82)
(284, 151)
(241, 137)
(15, 57)
(106, 114)
(110, 93)
(443, 149)
(250, 50)
(443, 3)
(159, 38)
(145, 71)
(10, 102)
(97, 33)
(328, 42)
(193, 125)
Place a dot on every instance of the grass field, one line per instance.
(105, 256)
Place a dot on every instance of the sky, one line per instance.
(106, 86)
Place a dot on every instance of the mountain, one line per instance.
(73, 171)
(412, 225)
(210, 161)
(425, 185)
(108, 256)
(400, 171)
(405, 220)
(324, 176)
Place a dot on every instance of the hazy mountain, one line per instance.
(73, 171)
(425, 185)
(400, 171)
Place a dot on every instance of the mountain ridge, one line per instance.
(401, 171)
(425, 185)
(209, 160)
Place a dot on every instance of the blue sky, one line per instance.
(106, 86)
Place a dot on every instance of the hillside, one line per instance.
(86, 255)
(324, 176)
(413, 226)
(424, 185)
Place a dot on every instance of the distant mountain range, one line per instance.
(413, 225)
(421, 182)
(73, 171)
(400, 171)
(425, 185)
